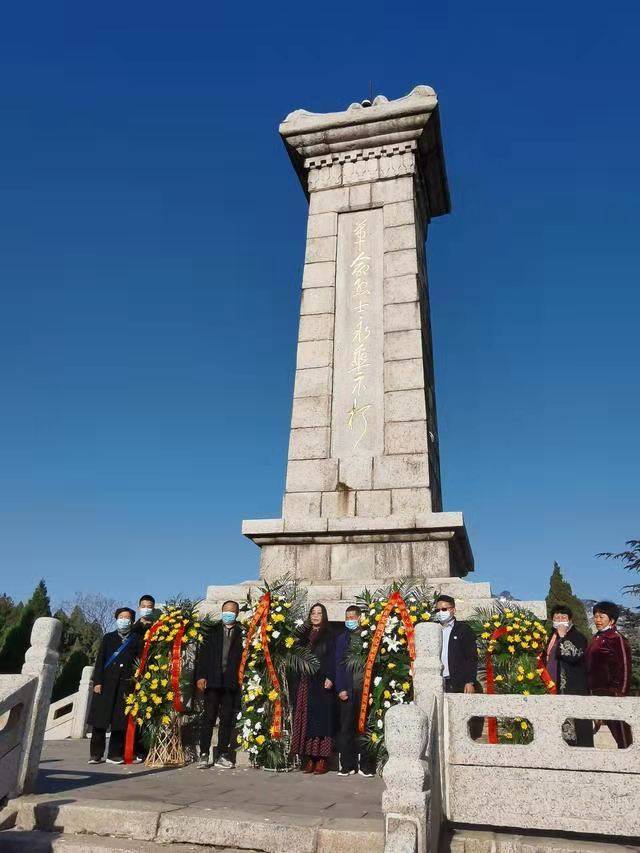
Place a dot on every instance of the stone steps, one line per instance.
(113, 825)
(480, 841)
(18, 841)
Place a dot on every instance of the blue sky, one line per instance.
(151, 243)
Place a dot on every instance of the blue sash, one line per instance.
(119, 650)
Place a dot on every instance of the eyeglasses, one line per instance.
(442, 609)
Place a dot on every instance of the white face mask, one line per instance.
(444, 616)
(566, 625)
(145, 611)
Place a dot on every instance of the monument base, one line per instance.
(336, 597)
(337, 558)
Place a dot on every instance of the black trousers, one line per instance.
(98, 740)
(476, 724)
(220, 705)
(348, 713)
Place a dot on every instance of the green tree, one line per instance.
(69, 674)
(17, 638)
(630, 561)
(560, 592)
(78, 648)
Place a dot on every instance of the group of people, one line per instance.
(326, 704)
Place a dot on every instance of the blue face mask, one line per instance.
(228, 617)
(124, 625)
(351, 624)
(145, 611)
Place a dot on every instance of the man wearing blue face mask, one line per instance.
(112, 675)
(216, 674)
(146, 614)
(349, 690)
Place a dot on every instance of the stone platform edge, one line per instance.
(173, 823)
(314, 530)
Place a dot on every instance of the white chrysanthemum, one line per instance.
(380, 724)
(278, 609)
(365, 645)
(377, 680)
(299, 623)
(257, 727)
(260, 710)
(275, 634)
(364, 633)
(392, 684)
(387, 704)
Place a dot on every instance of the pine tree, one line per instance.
(39, 601)
(17, 638)
(560, 592)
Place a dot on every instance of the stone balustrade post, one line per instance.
(406, 777)
(41, 662)
(427, 667)
(82, 703)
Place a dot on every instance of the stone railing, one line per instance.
(436, 772)
(67, 717)
(412, 800)
(546, 784)
(24, 705)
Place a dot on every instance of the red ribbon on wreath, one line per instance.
(259, 621)
(492, 723)
(395, 602)
(176, 667)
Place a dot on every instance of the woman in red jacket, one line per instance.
(609, 664)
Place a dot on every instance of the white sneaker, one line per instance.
(115, 760)
(203, 764)
(138, 759)
(224, 763)
(366, 773)
(95, 761)
(347, 772)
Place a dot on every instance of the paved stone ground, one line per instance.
(64, 772)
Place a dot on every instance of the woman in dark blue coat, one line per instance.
(314, 716)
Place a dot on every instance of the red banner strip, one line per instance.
(395, 602)
(259, 622)
(176, 665)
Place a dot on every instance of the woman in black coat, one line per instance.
(565, 660)
(112, 676)
(314, 717)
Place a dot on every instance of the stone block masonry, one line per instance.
(362, 494)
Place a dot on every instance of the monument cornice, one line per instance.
(422, 527)
(316, 140)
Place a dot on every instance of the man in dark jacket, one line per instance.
(565, 660)
(609, 665)
(459, 649)
(216, 673)
(146, 614)
(112, 674)
(348, 686)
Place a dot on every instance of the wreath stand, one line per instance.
(167, 749)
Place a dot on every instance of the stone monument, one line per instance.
(362, 501)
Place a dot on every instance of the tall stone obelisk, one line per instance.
(363, 501)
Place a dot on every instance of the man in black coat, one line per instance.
(146, 614)
(112, 675)
(459, 649)
(216, 674)
(566, 663)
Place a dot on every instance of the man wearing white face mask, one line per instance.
(111, 682)
(216, 673)
(459, 649)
